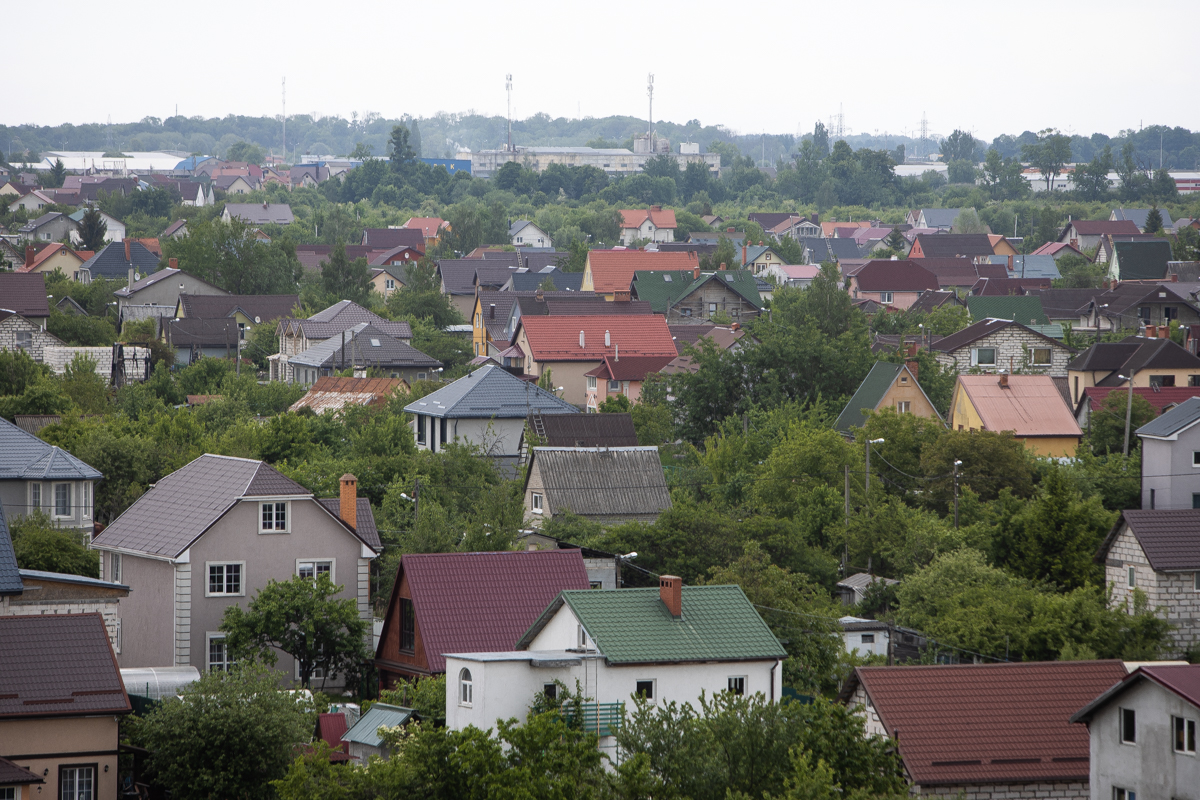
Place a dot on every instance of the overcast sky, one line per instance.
(994, 68)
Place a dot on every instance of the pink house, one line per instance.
(891, 283)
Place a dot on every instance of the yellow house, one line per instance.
(1028, 406)
(1001, 245)
(891, 386)
(386, 280)
(55, 256)
(1150, 360)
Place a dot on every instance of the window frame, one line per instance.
(976, 362)
(208, 567)
(287, 517)
(550, 690)
(54, 487)
(1121, 793)
(591, 383)
(613, 386)
(1131, 577)
(24, 340)
(407, 625)
(637, 689)
(85, 499)
(77, 768)
(887, 297)
(466, 688)
(35, 495)
(1127, 726)
(209, 638)
(868, 638)
(114, 567)
(736, 684)
(1185, 729)
(1034, 353)
(315, 562)
(536, 503)
(903, 406)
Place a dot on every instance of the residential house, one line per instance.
(829, 229)
(391, 238)
(400, 256)
(920, 708)
(259, 213)
(1149, 361)
(1144, 260)
(1161, 399)
(297, 335)
(19, 333)
(940, 219)
(580, 430)
(617, 377)
(495, 314)
(930, 300)
(312, 257)
(607, 485)
(609, 272)
(1108, 244)
(891, 386)
(363, 740)
(1084, 234)
(114, 229)
(1024, 267)
(385, 280)
(666, 645)
(524, 233)
(759, 258)
(330, 395)
(1002, 344)
(1143, 734)
(796, 227)
(1171, 457)
(458, 281)
(486, 408)
(194, 339)
(1002, 246)
(1057, 250)
(47, 258)
(568, 348)
(768, 220)
(61, 702)
(720, 336)
(365, 349)
(892, 283)
(829, 249)
(1157, 552)
(126, 260)
(176, 230)
(712, 239)
(852, 589)
(307, 176)
(25, 294)
(68, 305)
(647, 224)
(162, 290)
(429, 614)
(235, 184)
(247, 310)
(960, 274)
(52, 226)
(34, 200)
(871, 637)
(1029, 406)
(681, 297)
(525, 280)
(38, 475)
(1138, 217)
(951, 245)
(1136, 305)
(430, 228)
(238, 524)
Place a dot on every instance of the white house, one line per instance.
(666, 645)
(524, 233)
(654, 224)
(114, 229)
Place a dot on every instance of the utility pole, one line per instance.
(847, 495)
(416, 500)
(957, 464)
(508, 88)
(867, 481)
(650, 129)
(1128, 410)
(285, 117)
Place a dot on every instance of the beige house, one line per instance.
(53, 257)
(1150, 361)
(891, 386)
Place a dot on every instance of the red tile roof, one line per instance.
(630, 368)
(429, 226)
(612, 270)
(46, 252)
(1097, 227)
(1052, 248)
(1161, 398)
(661, 218)
(557, 338)
(895, 276)
(988, 723)
(482, 602)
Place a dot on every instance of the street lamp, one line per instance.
(1128, 408)
(957, 464)
(867, 480)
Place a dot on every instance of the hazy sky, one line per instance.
(1000, 67)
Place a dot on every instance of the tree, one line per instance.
(228, 255)
(230, 735)
(961, 171)
(1048, 155)
(959, 146)
(968, 221)
(57, 175)
(1003, 176)
(1091, 180)
(92, 230)
(1106, 424)
(343, 279)
(617, 404)
(245, 151)
(302, 618)
(400, 151)
(820, 139)
(1079, 273)
(1154, 220)
(87, 390)
(895, 240)
(40, 544)
(422, 298)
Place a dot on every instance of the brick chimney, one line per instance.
(815, 219)
(30, 252)
(696, 274)
(349, 504)
(722, 267)
(127, 256)
(173, 263)
(730, 230)
(622, 295)
(743, 252)
(913, 367)
(1003, 380)
(1010, 263)
(670, 591)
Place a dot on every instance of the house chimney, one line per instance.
(621, 296)
(349, 505)
(173, 263)
(913, 367)
(743, 252)
(1174, 277)
(491, 311)
(29, 255)
(1010, 264)
(1151, 331)
(722, 267)
(656, 208)
(1003, 380)
(130, 284)
(607, 340)
(737, 326)
(540, 296)
(127, 256)
(730, 230)
(696, 274)
(670, 591)
(815, 218)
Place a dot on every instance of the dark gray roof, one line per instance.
(10, 574)
(1170, 539)
(110, 262)
(364, 516)
(602, 481)
(344, 315)
(1138, 216)
(458, 274)
(985, 327)
(490, 392)
(940, 217)
(366, 345)
(588, 430)
(261, 213)
(1134, 353)
(563, 281)
(183, 505)
(24, 456)
(266, 307)
(201, 332)
(1182, 416)
(156, 277)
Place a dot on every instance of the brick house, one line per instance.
(18, 333)
(985, 731)
(25, 294)
(681, 297)
(1158, 553)
(992, 344)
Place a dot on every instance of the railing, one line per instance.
(602, 719)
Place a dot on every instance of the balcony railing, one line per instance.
(602, 719)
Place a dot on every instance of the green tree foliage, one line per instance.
(1079, 273)
(1003, 177)
(229, 255)
(959, 146)
(81, 331)
(245, 151)
(968, 221)
(18, 370)
(1091, 180)
(230, 735)
(302, 618)
(1106, 425)
(1154, 221)
(92, 230)
(343, 279)
(426, 696)
(421, 298)
(40, 544)
(1049, 154)
(84, 386)
(57, 175)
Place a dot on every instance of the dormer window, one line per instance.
(274, 518)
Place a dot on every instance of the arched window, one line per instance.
(465, 693)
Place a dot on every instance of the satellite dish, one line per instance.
(257, 321)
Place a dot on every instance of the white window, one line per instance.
(274, 517)
(614, 386)
(76, 783)
(885, 297)
(466, 688)
(903, 407)
(1132, 578)
(8, 793)
(712, 308)
(225, 579)
(581, 637)
(1123, 794)
(114, 564)
(25, 339)
(644, 689)
(85, 499)
(35, 496)
(389, 284)
(1128, 725)
(591, 384)
(983, 357)
(1041, 356)
(311, 568)
(1185, 735)
(218, 653)
(62, 500)
(535, 503)
(737, 684)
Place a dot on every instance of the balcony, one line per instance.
(602, 719)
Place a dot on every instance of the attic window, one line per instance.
(729, 278)
(374, 343)
(667, 278)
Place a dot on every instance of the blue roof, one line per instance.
(10, 575)
(190, 162)
(1030, 266)
(490, 392)
(366, 730)
(24, 456)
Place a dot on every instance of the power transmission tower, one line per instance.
(924, 134)
(650, 94)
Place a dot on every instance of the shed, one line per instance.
(364, 738)
(599, 483)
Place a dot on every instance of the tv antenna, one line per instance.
(508, 88)
(285, 116)
(650, 94)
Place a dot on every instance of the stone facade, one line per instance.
(1173, 593)
(58, 356)
(1058, 790)
(1013, 346)
(18, 333)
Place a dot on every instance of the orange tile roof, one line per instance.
(662, 218)
(1030, 405)
(557, 338)
(612, 270)
(152, 245)
(429, 226)
(830, 228)
(46, 252)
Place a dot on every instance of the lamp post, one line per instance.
(1128, 409)
(867, 480)
(957, 464)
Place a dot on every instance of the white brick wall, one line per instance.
(41, 339)
(27, 608)
(1010, 344)
(1008, 791)
(1174, 592)
(58, 356)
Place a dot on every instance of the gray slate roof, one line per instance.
(1138, 216)
(490, 392)
(940, 217)
(10, 574)
(24, 456)
(366, 345)
(563, 281)
(110, 261)
(261, 213)
(1182, 416)
(601, 481)
(344, 315)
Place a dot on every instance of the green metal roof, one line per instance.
(1054, 330)
(1022, 309)
(867, 398)
(633, 626)
(660, 288)
(1144, 260)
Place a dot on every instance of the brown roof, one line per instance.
(895, 276)
(390, 238)
(630, 368)
(1030, 405)
(13, 775)
(58, 665)
(332, 394)
(1003, 287)
(1182, 679)
(1170, 539)
(266, 307)
(24, 294)
(948, 245)
(988, 723)
(1098, 227)
(587, 430)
